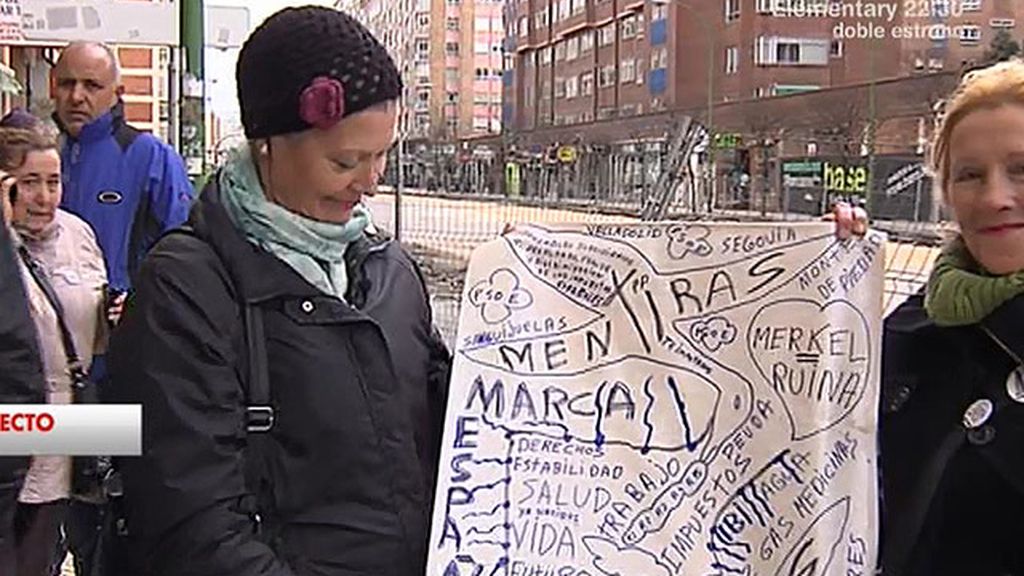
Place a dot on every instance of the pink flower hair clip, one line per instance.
(322, 103)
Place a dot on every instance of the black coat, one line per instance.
(963, 487)
(21, 381)
(359, 395)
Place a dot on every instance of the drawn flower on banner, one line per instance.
(713, 333)
(322, 103)
(499, 295)
(688, 239)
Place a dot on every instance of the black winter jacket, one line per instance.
(21, 381)
(963, 487)
(358, 390)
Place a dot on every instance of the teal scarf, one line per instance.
(316, 250)
(959, 294)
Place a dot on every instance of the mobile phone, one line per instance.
(109, 296)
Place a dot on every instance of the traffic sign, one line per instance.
(728, 141)
(567, 154)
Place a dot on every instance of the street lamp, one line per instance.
(710, 41)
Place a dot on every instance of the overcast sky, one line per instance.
(220, 64)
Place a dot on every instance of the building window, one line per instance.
(572, 48)
(422, 48)
(566, 8)
(451, 48)
(422, 100)
(732, 60)
(732, 10)
(560, 51)
(787, 53)
(776, 51)
(422, 19)
(586, 42)
(606, 77)
(969, 34)
(572, 87)
(524, 26)
(587, 84)
(607, 35)
(452, 97)
(835, 49)
(423, 73)
(1001, 23)
(578, 6)
(629, 27)
(452, 23)
(545, 56)
(481, 47)
(540, 19)
(482, 25)
(452, 2)
(659, 12)
(970, 5)
(659, 58)
(559, 87)
(627, 71)
(451, 76)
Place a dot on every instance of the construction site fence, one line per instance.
(444, 212)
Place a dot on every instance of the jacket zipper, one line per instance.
(357, 264)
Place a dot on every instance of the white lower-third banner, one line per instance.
(70, 430)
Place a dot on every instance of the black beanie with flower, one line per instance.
(309, 67)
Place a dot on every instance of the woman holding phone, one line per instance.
(65, 282)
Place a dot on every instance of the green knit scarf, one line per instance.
(960, 293)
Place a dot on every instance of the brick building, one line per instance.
(576, 61)
(450, 55)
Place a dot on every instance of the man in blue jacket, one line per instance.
(127, 184)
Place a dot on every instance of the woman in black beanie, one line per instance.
(291, 379)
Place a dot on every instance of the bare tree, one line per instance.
(841, 122)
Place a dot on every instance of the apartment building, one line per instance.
(450, 55)
(574, 61)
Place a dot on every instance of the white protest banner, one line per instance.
(664, 399)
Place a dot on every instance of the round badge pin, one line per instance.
(1015, 385)
(978, 413)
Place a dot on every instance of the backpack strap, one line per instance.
(76, 368)
(259, 413)
(259, 417)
